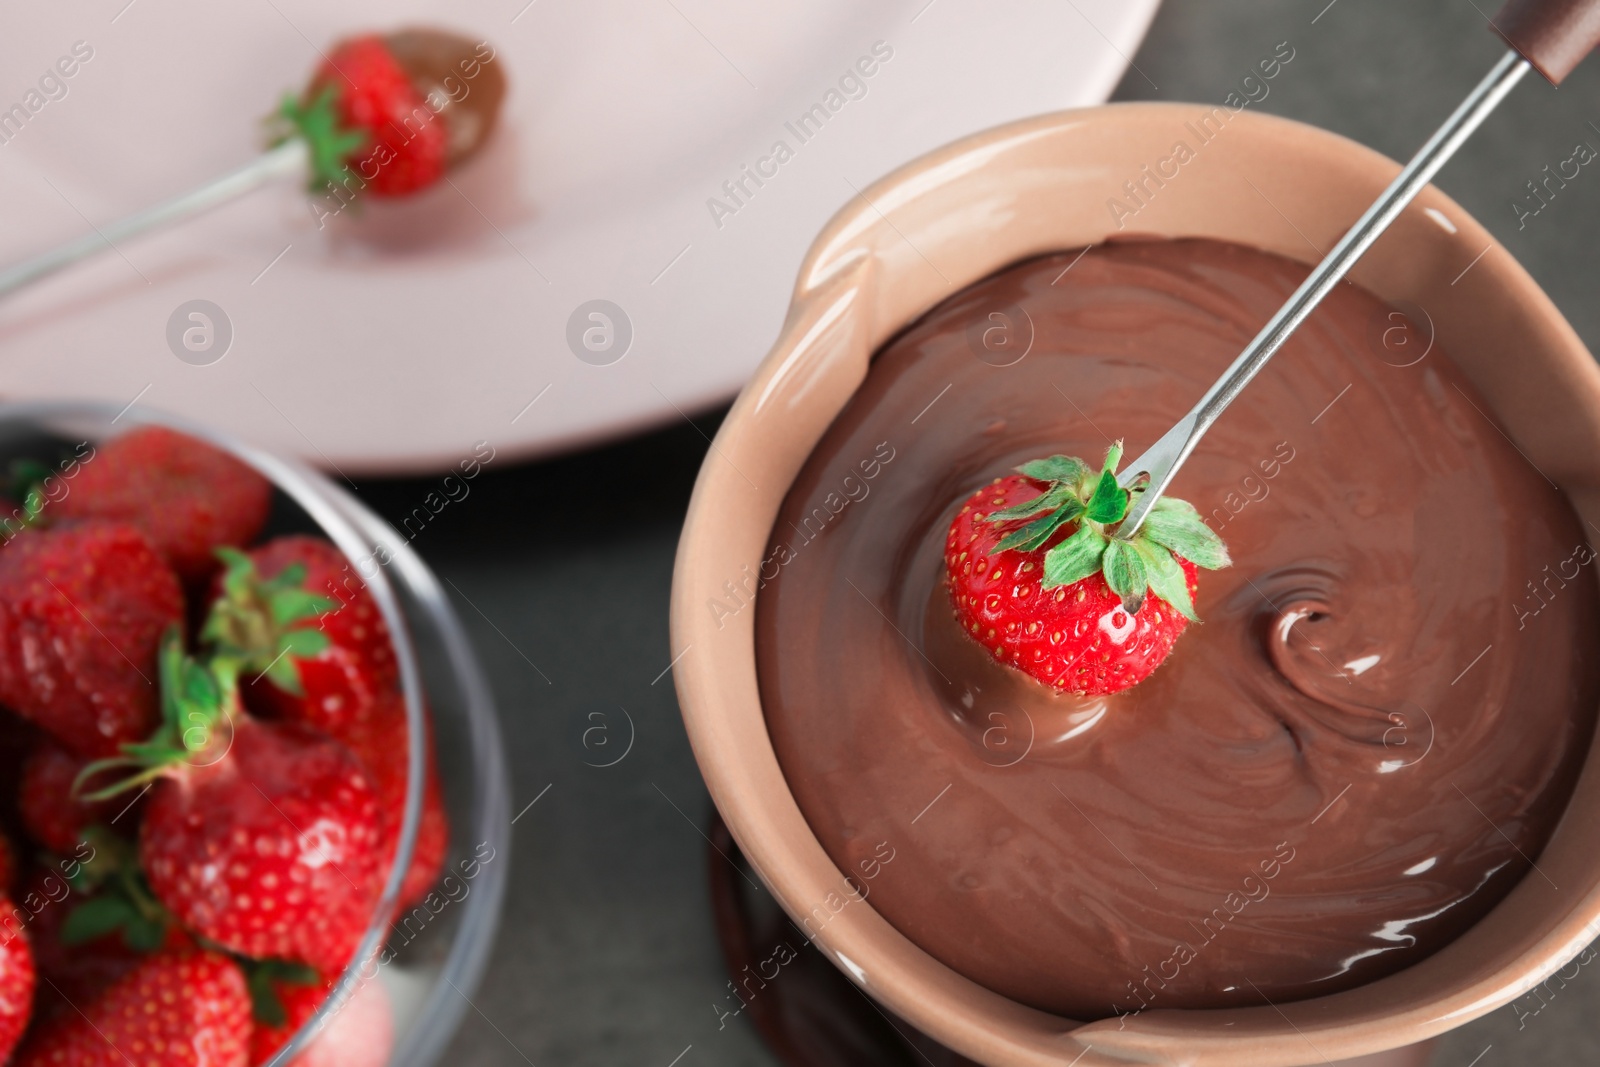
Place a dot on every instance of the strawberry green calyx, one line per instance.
(118, 898)
(261, 978)
(1145, 563)
(317, 123)
(253, 621)
(198, 703)
(28, 479)
(251, 630)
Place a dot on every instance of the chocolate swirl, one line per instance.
(1352, 759)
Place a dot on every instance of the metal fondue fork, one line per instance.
(1551, 36)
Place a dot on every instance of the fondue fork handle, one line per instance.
(1157, 466)
(1552, 35)
(283, 161)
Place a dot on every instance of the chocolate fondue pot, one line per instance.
(1048, 184)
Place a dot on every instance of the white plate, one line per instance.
(395, 341)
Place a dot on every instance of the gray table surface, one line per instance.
(606, 953)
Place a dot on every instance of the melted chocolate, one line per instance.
(1346, 765)
(461, 79)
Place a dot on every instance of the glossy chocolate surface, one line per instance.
(458, 78)
(1359, 752)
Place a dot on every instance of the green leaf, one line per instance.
(285, 674)
(287, 598)
(293, 605)
(163, 747)
(261, 978)
(111, 854)
(123, 905)
(1125, 573)
(1050, 498)
(260, 624)
(1166, 577)
(1177, 526)
(1110, 500)
(170, 667)
(196, 703)
(200, 692)
(26, 473)
(291, 577)
(237, 568)
(144, 934)
(305, 643)
(195, 698)
(28, 478)
(294, 973)
(96, 918)
(1075, 558)
(1036, 533)
(264, 1002)
(1068, 469)
(318, 123)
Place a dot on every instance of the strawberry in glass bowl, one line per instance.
(259, 810)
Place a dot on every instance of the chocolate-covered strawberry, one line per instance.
(260, 837)
(82, 610)
(1038, 576)
(386, 115)
(389, 114)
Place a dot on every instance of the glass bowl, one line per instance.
(429, 958)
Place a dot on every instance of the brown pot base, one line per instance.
(810, 1015)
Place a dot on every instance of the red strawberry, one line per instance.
(327, 662)
(267, 843)
(16, 977)
(1037, 578)
(51, 814)
(82, 610)
(93, 921)
(381, 742)
(188, 496)
(76, 973)
(360, 1033)
(176, 1008)
(338, 691)
(405, 143)
(79, 974)
(354, 622)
